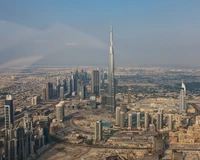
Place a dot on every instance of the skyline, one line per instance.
(146, 33)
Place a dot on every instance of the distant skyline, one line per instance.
(65, 33)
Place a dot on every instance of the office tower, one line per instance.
(60, 111)
(161, 118)
(9, 112)
(70, 85)
(111, 75)
(146, 121)
(44, 122)
(65, 85)
(152, 119)
(98, 131)
(44, 93)
(93, 102)
(182, 98)
(61, 95)
(58, 81)
(73, 84)
(82, 90)
(138, 120)
(20, 143)
(130, 121)
(102, 79)
(170, 125)
(10, 144)
(48, 91)
(95, 82)
(39, 138)
(158, 121)
(129, 95)
(117, 116)
(122, 119)
(34, 100)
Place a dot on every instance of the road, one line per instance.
(70, 123)
(196, 114)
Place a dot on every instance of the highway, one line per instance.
(196, 114)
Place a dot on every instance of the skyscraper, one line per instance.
(98, 131)
(95, 82)
(170, 125)
(111, 75)
(130, 121)
(146, 120)
(159, 119)
(182, 98)
(61, 94)
(10, 144)
(138, 120)
(122, 119)
(44, 93)
(60, 111)
(9, 112)
(129, 95)
(117, 116)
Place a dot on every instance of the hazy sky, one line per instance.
(76, 32)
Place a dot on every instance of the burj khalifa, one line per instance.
(111, 75)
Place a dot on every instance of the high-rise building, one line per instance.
(129, 95)
(170, 125)
(82, 90)
(9, 112)
(138, 120)
(65, 85)
(95, 82)
(111, 75)
(61, 95)
(161, 118)
(60, 111)
(10, 144)
(49, 90)
(34, 100)
(98, 131)
(122, 119)
(130, 121)
(58, 81)
(183, 106)
(158, 122)
(146, 120)
(20, 143)
(117, 116)
(93, 101)
(44, 93)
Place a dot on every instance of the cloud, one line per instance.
(71, 44)
(21, 62)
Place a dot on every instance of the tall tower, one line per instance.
(122, 119)
(130, 121)
(117, 116)
(9, 112)
(146, 120)
(182, 98)
(96, 82)
(129, 95)
(170, 125)
(98, 131)
(138, 120)
(111, 75)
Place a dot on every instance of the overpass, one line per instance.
(196, 114)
